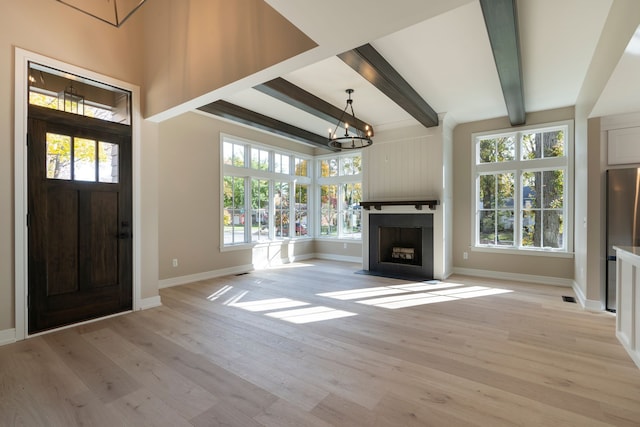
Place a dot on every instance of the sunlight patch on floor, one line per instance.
(413, 294)
(279, 308)
(389, 297)
(310, 314)
(268, 304)
(214, 296)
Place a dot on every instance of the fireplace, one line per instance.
(401, 245)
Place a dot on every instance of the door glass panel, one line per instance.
(58, 156)
(108, 162)
(84, 159)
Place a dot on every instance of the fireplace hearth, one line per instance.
(401, 245)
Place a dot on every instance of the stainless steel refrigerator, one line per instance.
(623, 220)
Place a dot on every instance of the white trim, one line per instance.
(587, 304)
(150, 302)
(517, 166)
(516, 277)
(183, 280)
(343, 258)
(22, 58)
(593, 305)
(7, 336)
(524, 251)
(239, 269)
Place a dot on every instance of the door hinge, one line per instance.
(28, 139)
(28, 220)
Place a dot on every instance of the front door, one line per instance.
(80, 229)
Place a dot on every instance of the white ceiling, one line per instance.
(442, 49)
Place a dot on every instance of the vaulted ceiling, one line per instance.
(469, 59)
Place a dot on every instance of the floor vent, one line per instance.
(242, 274)
(568, 299)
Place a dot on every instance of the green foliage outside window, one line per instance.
(539, 208)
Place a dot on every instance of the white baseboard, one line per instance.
(7, 336)
(183, 280)
(587, 304)
(579, 294)
(344, 258)
(516, 277)
(593, 305)
(146, 303)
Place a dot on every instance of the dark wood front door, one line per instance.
(80, 218)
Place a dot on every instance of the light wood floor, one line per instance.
(314, 344)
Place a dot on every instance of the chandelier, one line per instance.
(353, 137)
(113, 12)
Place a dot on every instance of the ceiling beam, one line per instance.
(239, 114)
(373, 67)
(501, 19)
(286, 91)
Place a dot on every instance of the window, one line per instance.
(57, 90)
(263, 190)
(521, 189)
(233, 153)
(234, 210)
(281, 163)
(301, 168)
(301, 210)
(339, 184)
(259, 209)
(81, 159)
(259, 159)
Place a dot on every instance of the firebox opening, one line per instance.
(400, 245)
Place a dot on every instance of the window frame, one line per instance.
(339, 180)
(518, 167)
(249, 174)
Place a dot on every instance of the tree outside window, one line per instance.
(301, 210)
(329, 210)
(234, 210)
(340, 188)
(259, 209)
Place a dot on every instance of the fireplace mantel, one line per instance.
(418, 204)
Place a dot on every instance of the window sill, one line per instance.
(526, 252)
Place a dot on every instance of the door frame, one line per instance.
(22, 59)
